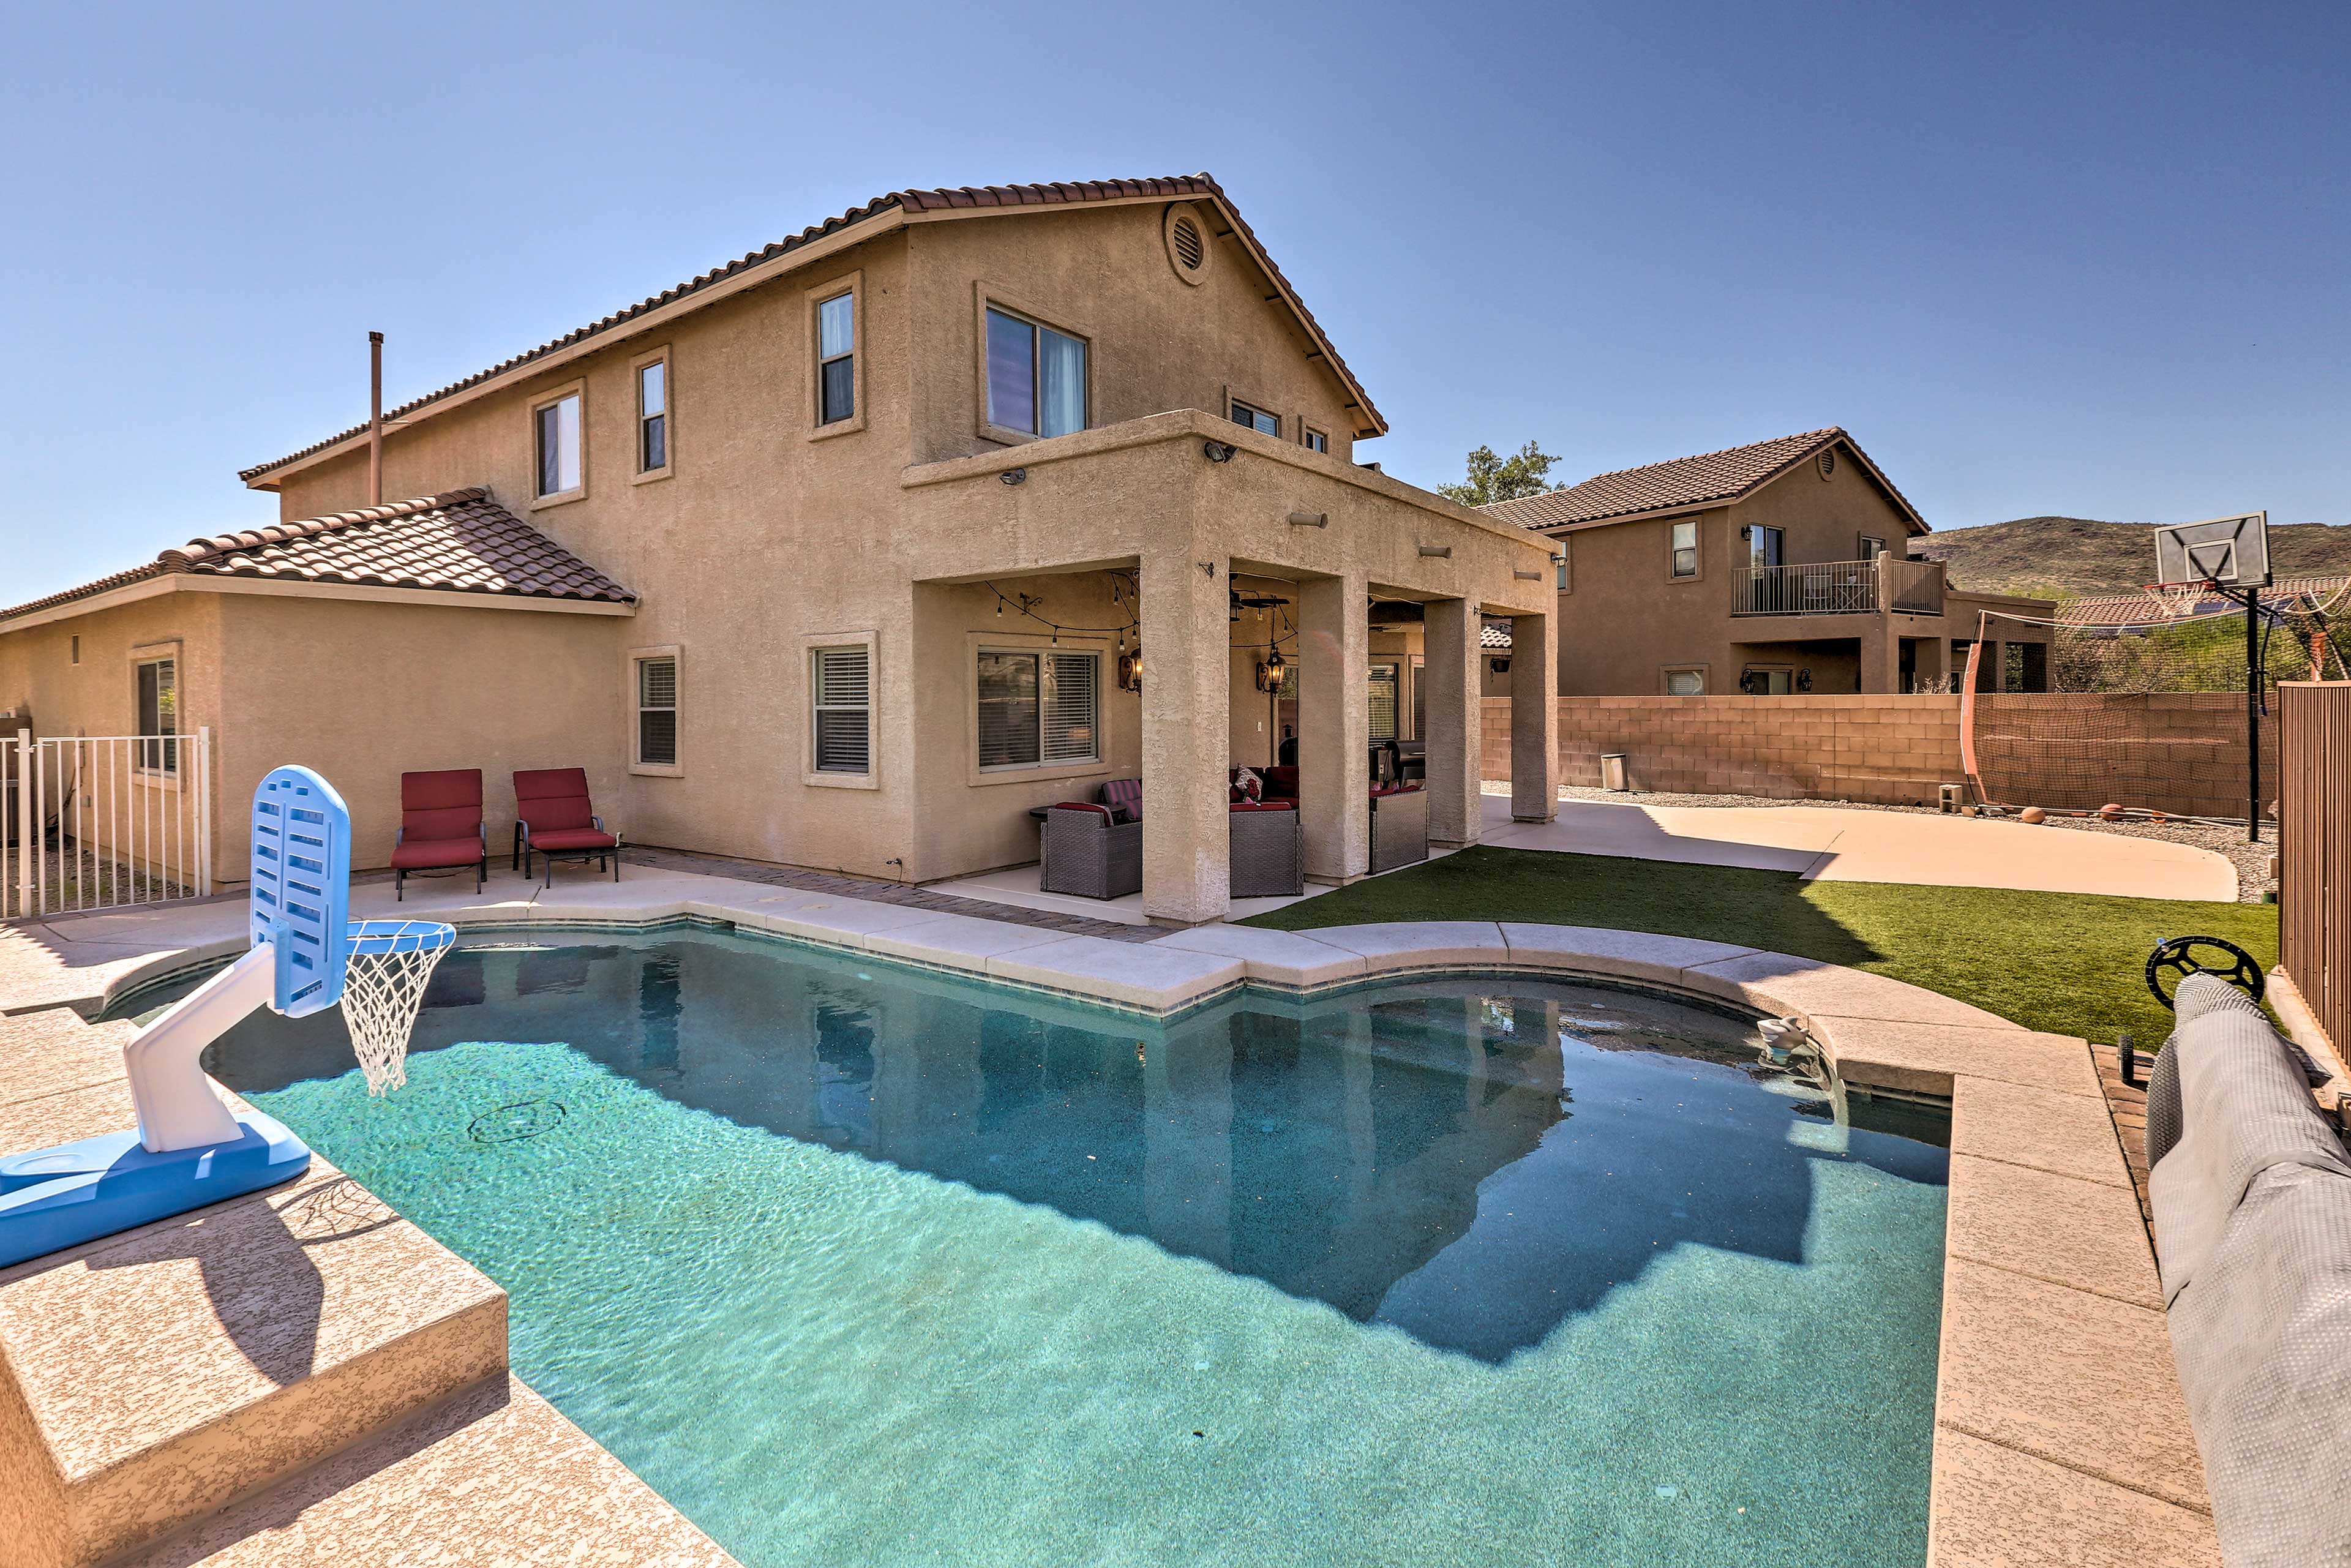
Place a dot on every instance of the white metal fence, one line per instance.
(90, 822)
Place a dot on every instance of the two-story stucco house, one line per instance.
(1777, 568)
(849, 553)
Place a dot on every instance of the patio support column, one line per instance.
(1881, 656)
(1939, 665)
(1334, 726)
(1186, 730)
(1454, 713)
(1535, 719)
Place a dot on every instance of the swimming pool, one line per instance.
(864, 1264)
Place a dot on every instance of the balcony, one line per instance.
(1839, 588)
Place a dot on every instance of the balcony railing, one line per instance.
(1839, 588)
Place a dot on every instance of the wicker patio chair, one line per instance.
(1267, 856)
(1399, 826)
(1083, 850)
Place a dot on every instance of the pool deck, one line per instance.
(301, 1376)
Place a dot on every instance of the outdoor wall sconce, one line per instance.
(1269, 672)
(1803, 680)
(1439, 552)
(1130, 671)
(1218, 451)
(1310, 520)
(1014, 476)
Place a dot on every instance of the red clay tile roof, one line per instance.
(959, 198)
(460, 542)
(1494, 636)
(2139, 608)
(1716, 477)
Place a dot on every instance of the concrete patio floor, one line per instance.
(1833, 843)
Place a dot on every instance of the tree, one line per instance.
(1493, 478)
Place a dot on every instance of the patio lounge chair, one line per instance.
(441, 830)
(554, 818)
(1083, 850)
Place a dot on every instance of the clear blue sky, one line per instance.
(2037, 258)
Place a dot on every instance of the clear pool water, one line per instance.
(864, 1265)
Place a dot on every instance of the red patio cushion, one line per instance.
(425, 854)
(1088, 806)
(553, 797)
(441, 805)
(1263, 806)
(572, 838)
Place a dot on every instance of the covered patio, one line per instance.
(1214, 599)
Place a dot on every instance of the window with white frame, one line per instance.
(657, 711)
(840, 688)
(1256, 418)
(1686, 683)
(159, 714)
(1036, 376)
(1039, 709)
(559, 445)
(836, 359)
(1684, 548)
(652, 416)
(1312, 439)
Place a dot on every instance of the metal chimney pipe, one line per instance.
(375, 419)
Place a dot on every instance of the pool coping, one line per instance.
(2061, 1435)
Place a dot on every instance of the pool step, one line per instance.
(494, 1478)
(149, 1379)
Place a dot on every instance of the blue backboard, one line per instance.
(302, 886)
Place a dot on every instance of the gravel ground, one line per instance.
(2252, 861)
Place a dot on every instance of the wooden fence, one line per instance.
(2314, 849)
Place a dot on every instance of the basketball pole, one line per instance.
(2252, 715)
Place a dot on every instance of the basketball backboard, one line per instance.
(2233, 552)
(302, 886)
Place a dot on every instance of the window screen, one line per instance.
(836, 322)
(652, 416)
(657, 712)
(558, 446)
(1685, 549)
(159, 715)
(842, 685)
(1256, 419)
(1040, 708)
(1007, 710)
(1070, 716)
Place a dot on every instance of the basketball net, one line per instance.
(383, 984)
(2178, 600)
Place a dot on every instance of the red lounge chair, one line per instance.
(553, 817)
(440, 827)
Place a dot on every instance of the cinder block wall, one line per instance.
(1884, 750)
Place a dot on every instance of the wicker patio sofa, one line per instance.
(1399, 826)
(1267, 854)
(1083, 850)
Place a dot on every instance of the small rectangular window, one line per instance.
(159, 714)
(1872, 548)
(1384, 702)
(842, 686)
(1766, 547)
(1560, 567)
(559, 445)
(836, 331)
(652, 417)
(74, 651)
(1036, 377)
(657, 712)
(1685, 683)
(1039, 709)
(1313, 440)
(1684, 548)
(1256, 419)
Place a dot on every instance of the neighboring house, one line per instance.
(1781, 567)
(849, 553)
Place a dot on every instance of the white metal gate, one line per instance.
(90, 822)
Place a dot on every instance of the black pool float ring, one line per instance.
(2176, 956)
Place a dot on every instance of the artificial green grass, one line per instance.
(2065, 963)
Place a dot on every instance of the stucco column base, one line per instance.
(1334, 726)
(1535, 719)
(1454, 713)
(1187, 726)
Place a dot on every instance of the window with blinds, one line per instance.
(1384, 702)
(1039, 709)
(657, 712)
(842, 686)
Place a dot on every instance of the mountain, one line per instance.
(2064, 558)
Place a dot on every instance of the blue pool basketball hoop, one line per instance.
(307, 954)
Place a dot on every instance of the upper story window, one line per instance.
(1766, 547)
(1566, 583)
(1313, 440)
(558, 424)
(1036, 377)
(1872, 548)
(652, 416)
(1684, 548)
(1256, 419)
(1686, 683)
(836, 349)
